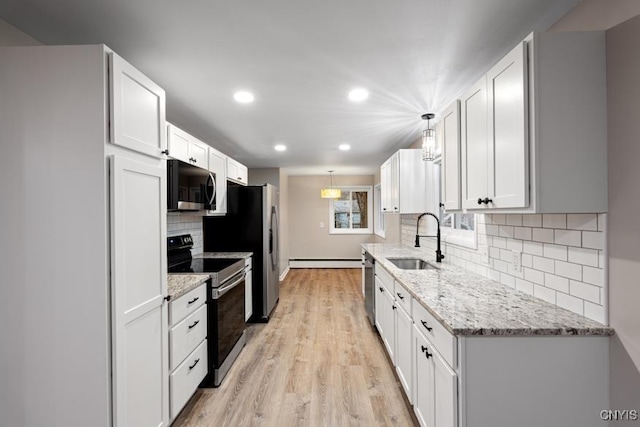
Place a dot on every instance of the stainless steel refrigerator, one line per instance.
(251, 225)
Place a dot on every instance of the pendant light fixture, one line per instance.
(330, 193)
(428, 140)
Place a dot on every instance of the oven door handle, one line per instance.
(226, 288)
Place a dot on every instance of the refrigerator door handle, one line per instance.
(273, 238)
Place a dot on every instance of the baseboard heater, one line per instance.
(325, 263)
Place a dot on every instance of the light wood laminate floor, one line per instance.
(318, 362)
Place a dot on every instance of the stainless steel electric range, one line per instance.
(225, 304)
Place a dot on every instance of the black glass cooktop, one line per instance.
(204, 265)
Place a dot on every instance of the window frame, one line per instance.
(351, 188)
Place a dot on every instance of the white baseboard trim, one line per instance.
(284, 274)
(325, 263)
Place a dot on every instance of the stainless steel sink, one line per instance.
(411, 264)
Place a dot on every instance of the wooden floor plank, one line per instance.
(318, 362)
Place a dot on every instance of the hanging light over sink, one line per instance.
(428, 140)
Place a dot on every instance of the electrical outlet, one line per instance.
(516, 261)
(321, 224)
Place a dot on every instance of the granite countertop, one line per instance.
(244, 255)
(179, 284)
(468, 304)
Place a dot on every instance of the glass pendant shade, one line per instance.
(428, 145)
(330, 193)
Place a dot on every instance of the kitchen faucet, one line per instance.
(439, 255)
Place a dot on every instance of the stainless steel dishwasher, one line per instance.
(369, 286)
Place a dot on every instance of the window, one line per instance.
(351, 213)
(456, 228)
(378, 217)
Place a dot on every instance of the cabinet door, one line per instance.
(404, 352)
(384, 186)
(178, 141)
(412, 184)
(424, 380)
(137, 109)
(389, 335)
(395, 183)
(508, 148)
(138, 287)
(379, 303)
(199, 153)
(449, 128)
(446, 393)
(473, 130)
(218, 165)
(243, 174)
(232, 169)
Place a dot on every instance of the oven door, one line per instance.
(190, 188)
(226, 318)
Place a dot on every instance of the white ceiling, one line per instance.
(300, 59)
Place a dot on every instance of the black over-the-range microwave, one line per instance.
(190, 188)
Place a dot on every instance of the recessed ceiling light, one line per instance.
(358, 95)
(243, 97)
(280, 147)
(344, 147)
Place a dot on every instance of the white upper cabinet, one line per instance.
(237, 172)
(137, 109)
(403, 182)
(187, 148)
(475, 150)
(533, 130)
(218, 165)
(449, 134)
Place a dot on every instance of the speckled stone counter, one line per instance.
(468, 304)
(243, 255)
(179, 284)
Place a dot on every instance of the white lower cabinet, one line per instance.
(188, 347)
(404, 352)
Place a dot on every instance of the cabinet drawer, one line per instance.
(185, 379)
(385, 278)
(442, 340)
(403, 298)
(187, 304)
(186, 335)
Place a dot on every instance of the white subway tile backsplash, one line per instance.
(569, 270)
(594, 312)
(534, 220)
(514, 219)
(498, 219)
(593, 239)
(543, 235)
(571, 303)
(585, 291)
(567, 237)
(584, 256)
(506, 231)
(534, 276)
(562, 255)
(524, 286)
(533, 248)
(500, 242)
(522, 233)
(493, 230)
(543, 264)
(555, 251)
(594, 276)
(508, 280)
(556, 282)
(554, 221)
(587, 222)
(546, 294)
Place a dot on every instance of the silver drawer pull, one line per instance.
(194, 324)
(194, 364)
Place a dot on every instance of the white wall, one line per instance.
(11, 36)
